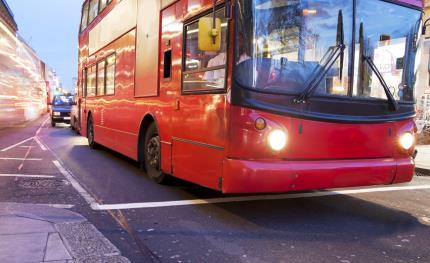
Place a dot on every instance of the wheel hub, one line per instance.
(153, 152)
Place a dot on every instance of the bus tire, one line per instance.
(152, 155)
(90, 133)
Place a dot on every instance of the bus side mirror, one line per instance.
(423, 30)
(209, 36)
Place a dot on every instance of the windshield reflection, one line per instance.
(281, 47)
(63, 100)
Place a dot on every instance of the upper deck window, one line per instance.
(91, 10)
(103, 4)
(84, 21)
(94, 10)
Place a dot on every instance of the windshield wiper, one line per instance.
(393, 105)
(333, 54)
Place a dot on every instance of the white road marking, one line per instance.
(17, 144)
(63, 206)
(40, 143)
(78, 187)
(20, 159)
(41, 126)
(27, 175)
(258, 198)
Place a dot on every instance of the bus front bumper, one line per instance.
(251, 176)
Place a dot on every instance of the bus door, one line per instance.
(199, 120)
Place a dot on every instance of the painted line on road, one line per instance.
(17, 144)
(78, 187)
(27, 175)
(62, 206)
(41, 126)
(20, 159)
(43, 147)
(257, 198)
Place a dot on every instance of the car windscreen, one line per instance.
(63, 101)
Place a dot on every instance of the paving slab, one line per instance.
(55, 249)
(23, 248)
(41, 212)
(20, 225)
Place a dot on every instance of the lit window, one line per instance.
(91, 81)
(101, 78)
(94, 10)
(84, 21)
(103, 4)
(110, 75)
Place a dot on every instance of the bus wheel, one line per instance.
(152, 155)
(90, 134)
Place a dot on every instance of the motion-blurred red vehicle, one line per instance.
(253, 95)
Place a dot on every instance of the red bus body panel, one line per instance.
(208, 141)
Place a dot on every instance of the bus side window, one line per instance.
(84, 83)
(204, 71)
(91, 81)
(101, 78)
(110, 74)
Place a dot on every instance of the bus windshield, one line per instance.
(283, 47)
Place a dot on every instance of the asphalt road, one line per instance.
(183, 222)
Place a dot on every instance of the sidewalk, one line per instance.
(34, 233)
(422, 160)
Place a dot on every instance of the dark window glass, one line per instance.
(167, 64)
(204, 70)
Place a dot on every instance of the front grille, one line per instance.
(65, 114)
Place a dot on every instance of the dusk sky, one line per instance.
(51, 28)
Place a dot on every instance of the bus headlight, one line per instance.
(407, 140)
(277, 140)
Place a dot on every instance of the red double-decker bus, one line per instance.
(253, 95)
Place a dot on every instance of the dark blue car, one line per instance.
(61, 108)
